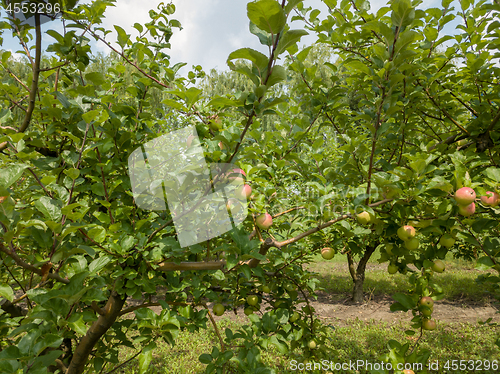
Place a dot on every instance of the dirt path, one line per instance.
(336, 311)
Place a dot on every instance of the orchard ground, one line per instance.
(360, 332)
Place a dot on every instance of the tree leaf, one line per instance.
(291, 37)
(50, 208)
(10, 174)
(6, 291)
(267, 15)
(258, 59)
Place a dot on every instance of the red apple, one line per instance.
(490, 199)
(427, 301)
(467, 210)
(244, 192)
(221, 146)
(408, 371)
(465, 196)
(406, 232)
(264, 221)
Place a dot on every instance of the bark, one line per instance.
(358, 273)
(94, 334)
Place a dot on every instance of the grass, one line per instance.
(458, 281)
(356, 339)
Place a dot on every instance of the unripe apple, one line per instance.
(215, 125)
(312, 344)
(252, 300)
(428, 324)
(438, 266)
(490, 199)
(392, 269)
(244, 192)
(412, 244)
(248, 311)
(426, 312)
(364, 218)
(264, 221)
(406, 232)
(218, 309)
(327, 253)
(467, 210)
(447, 241)
(294, 317)
(465, 196)
(266, 289)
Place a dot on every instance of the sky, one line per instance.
(212, 29)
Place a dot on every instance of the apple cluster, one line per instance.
(465, 198)
(407, 234)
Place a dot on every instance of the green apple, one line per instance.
(438, 266)
(248, 311)
(327, 253)
(294, 317)
(218, 309)
(252, 300)
(465, 196)
(266, 289)
(312, 344)
(447, 241)
(412, 244)
(428, 324)
(365, 218)
(392, 269)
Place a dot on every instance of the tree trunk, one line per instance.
(95, 332)
(358, 273)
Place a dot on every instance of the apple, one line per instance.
(426, 312)
(266, 289)
(427, 301)
(428, 324)
(438, 266)
(408, 371)
(2, 199)
(189, 140)
(218, 309)
(294, 317)
(388, 248)
(490, 199)
(312, 344)
(327, 253)
(467, 210)
(264, 221)
(364, 218)
(447, 241)
(406, 232)
(244, 192)
(221, 146)
(412, 244)
(392, 269)
(252, 300)
(465, 196)
(248, 311)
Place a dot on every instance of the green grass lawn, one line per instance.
(355, 340)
